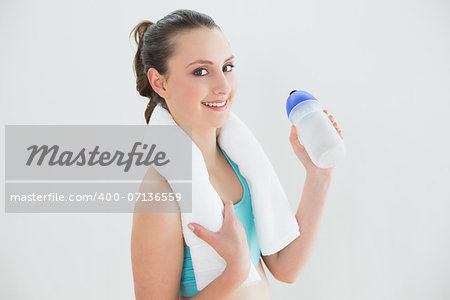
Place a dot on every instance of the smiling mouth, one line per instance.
(215, 104)
(218, 106)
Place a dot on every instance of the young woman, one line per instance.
(185, 63)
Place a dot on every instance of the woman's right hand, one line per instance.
(230, 242)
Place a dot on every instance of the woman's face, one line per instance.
(192, 82)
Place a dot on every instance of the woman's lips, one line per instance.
(217, 108)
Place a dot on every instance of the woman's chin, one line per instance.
(222, 120)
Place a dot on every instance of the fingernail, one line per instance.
(191, 227)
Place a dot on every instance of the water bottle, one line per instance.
(315, 130)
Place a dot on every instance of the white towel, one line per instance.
(275, 224)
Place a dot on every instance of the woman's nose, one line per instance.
(222, 85)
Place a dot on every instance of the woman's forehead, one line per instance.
(201, 44)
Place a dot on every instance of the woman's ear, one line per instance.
(158, 82)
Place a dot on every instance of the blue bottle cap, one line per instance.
(295, 97)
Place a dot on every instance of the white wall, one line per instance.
(382, 68)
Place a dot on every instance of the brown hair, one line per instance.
(155, 46)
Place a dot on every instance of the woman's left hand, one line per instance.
(303, 156)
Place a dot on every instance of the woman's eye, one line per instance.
(198, 71)
(231, 66)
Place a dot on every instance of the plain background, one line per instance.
(382, 68)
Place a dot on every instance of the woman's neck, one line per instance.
(206, 141)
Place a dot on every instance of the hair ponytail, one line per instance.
(142, 84)
(155, 46)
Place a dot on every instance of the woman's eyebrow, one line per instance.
(203, 61)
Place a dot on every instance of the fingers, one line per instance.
(203, 233)
(224, 208)
(335, 124)
(228, 210)
(293, 134)
(210, 236)
(293, 138)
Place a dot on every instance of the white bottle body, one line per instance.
(317, 134)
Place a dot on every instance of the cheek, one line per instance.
(189, 94)
(234, 83)
(188, 88)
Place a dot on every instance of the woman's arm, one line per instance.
(157, 257)
(157, 251)
(286, 264)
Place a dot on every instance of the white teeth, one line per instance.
(220, 104)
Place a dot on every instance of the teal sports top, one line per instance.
(244, 212)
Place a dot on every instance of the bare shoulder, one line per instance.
(156, 247)
(154, 183)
